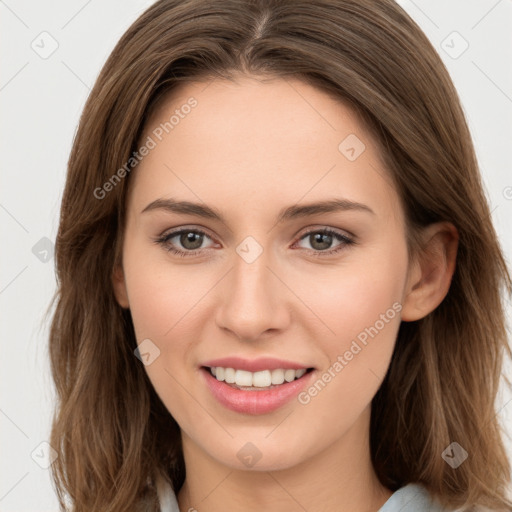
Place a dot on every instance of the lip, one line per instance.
(255, 365)
(255, 402)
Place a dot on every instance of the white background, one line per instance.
(41, 101)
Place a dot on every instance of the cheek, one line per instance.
(359, 297)
(164, 304)
(357, 356)
(364, 313)
(163, 295)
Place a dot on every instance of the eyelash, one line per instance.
(164, 241)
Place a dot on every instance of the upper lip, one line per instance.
(254, 365)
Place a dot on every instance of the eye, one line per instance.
(321, 241)
(191, 240)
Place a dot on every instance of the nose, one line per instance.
(253, 300)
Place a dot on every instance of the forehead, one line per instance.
(243, 106)
(258, 141)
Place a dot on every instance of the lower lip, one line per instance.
(255, 402)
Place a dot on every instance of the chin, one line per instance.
(258, 454)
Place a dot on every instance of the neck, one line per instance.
(339, 479)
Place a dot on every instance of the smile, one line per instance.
(255, 381)
(256, 392)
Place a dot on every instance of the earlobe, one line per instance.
(431, 273)
(119, 286)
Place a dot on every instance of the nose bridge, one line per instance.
(252, 301)
(251, 278)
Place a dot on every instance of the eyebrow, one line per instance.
(291, 212)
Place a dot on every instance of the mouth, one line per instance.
(256, 381)
(258, 392)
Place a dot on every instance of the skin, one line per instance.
(250, 148)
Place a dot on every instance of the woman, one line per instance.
(279, 284)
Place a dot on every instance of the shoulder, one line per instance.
(412, 498)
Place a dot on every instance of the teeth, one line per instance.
(229, 375)
(289, 375)
(278, 376)
(243, 378)
(260, 379)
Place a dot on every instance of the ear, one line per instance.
(431, 272)
(119, 285)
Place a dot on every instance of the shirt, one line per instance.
(410, 498)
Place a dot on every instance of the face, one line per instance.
(258, 279)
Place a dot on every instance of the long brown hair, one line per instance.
(114, 436)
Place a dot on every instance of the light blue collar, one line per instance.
(411, 498)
